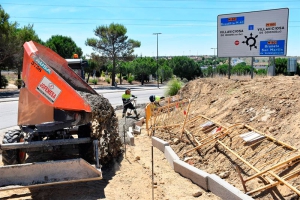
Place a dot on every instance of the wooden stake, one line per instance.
(240, 175)
(186, 116)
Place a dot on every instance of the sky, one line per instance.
(187, 27)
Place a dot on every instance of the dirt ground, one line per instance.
(129, 178)
(269, 104)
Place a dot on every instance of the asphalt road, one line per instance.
(9, 106)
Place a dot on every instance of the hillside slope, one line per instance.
(268, 105)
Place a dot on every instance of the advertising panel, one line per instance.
(259, 33)
(48, 89)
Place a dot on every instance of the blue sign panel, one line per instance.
(232, 21)
(251, 27)
(272, 47)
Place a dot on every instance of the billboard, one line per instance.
(258, 33)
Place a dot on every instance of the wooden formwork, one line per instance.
(266, 158)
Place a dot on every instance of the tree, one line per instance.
(8, 41)
(95, 63)
(128, 68)
(113, 43)
(165, 71)
(222, 69)
(241, 69)
(24, 34)
(143, 67)
(280, 65)
(64, 46)
(185, 67)
(121, 69)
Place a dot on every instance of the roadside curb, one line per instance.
(209, 182)
(8, 99)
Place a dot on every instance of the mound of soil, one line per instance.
(268, 106)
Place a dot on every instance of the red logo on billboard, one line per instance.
(236, 42)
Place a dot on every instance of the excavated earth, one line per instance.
(104, 126)
(267, 105)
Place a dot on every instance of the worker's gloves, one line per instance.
(134, 96)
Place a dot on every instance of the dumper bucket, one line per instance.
(49, 83)
(45, 173)
(48, 77)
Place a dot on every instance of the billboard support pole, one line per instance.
(274, 66)
(271, 68)
(252, 60)
(229, 67)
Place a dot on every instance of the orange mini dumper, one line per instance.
(51, 111)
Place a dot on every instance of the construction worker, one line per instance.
(127, 103)
(155, 99)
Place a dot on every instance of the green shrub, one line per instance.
(261, 72)
(107, 80)
(173, 86)
(130, 79)
(18, 82)
(94, 81)
(4, 82)
(184, 80)
(102, 74)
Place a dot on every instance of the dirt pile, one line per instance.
(268, 104)
(104, 126)
(265, 105)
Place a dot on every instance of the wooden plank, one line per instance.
(186, 115)
(277, 158)
(238, 156)
(274, 140)
(245, 161)
(273, 167)
(285, 178)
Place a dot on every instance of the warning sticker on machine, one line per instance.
(48, 89)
